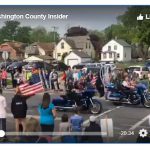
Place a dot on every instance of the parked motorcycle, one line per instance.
(127, 96)
(85, 99)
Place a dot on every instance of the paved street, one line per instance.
(125, 117)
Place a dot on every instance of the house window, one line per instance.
(109, 48)
(110, 55)
(58, 54)
(118, 55)
(104, 56)
(62, 45)
(115, 47)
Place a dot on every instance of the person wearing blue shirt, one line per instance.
(47, 114)
(76, 122)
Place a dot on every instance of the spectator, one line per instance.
(12, 78)
(19, 109)
(69, 74)
(47, 114)
(32, 125)
(4, 78)
(79, 74)
(95, 128)
(149, 76)
(0, 78)
(16, 78)
(76, 122)
(3, 106)
(64, 125)
(54, 80)
(75, 76)
(64, 77)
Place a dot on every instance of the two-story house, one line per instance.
(116, 50)
(68, 44)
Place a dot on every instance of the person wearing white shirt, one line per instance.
(75, 76)
(3, 106)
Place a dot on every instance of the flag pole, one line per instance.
(41, 77)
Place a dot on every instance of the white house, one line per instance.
(76, 57)
(68, 44)
(116, 50)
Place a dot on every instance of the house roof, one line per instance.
(32, 50)
(81, 54)
(18, 46)
(70, 42)
(122, 42)
(77, 42)
(47, 47)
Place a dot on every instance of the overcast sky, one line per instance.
(90, 17)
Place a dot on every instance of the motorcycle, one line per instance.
(85, 98)
(124, 95)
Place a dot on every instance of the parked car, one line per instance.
(147, 64)
(141, 71)
(5, 64)
(40, 65)
(15, 65)
(79, 66)
(59, 66)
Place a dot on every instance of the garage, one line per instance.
(72, 62)
(76, 57)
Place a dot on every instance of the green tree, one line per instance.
(9, 30)
(52, 37)
(39, 34)
(23, 34)
(98, 40)
(139, 31)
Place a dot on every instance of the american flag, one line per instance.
(93, 81)
(27, 90)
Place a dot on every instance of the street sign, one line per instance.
(5, 55)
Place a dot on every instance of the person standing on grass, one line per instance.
(47, 114)
(3, 106)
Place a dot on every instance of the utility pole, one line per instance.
(54, 30)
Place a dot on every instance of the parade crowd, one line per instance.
(67, 80)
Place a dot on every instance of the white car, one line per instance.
(142, 71)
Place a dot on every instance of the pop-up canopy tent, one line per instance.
(32, 59)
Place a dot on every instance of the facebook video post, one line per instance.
(74, 74)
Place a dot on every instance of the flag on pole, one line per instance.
(35, 85)
(28, 90)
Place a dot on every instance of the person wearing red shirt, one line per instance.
(4, 78)
(64, 77)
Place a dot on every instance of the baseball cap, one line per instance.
(92, 119)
